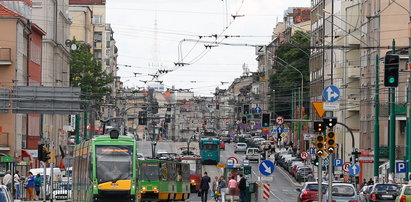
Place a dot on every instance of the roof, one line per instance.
(5, 12)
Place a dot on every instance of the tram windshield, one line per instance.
(114, 162)
(210, 147)
(150, 171)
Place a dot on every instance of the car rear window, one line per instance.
(241, 144)
(342, 190)
(384, 187)
(407, 191)
(304, 169)
(314, 187)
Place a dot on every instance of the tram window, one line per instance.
(149, 171)
(210, 147)
(186, 175)
(164, 172)
(113, 162)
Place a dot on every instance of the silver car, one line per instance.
(240, 147)
(342, 192)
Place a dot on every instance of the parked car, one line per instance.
(405, 194)
(252, 154)
(62, 191)
(304, 174)
(296, 165)
(226, 139)
(222, 145)
(364, 193)
(309, 192)
(384, 192)
(240, 147)
(342, 192)
(140, 156)
(4, 194)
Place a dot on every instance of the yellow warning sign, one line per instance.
(319, 108)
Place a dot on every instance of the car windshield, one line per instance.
(150, 171)
(342, 190)
(304, 169)
(210, 147)
(385, 187)
(113, 162)
(314, 187)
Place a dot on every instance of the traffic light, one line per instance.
(142, 118)
(391, 68)
(319, 144)
(40, 152)
(330, 141)
(319, 126)
(330, 121)
(266, 120)
(246, 109)
(168, 118)
(278, 137)
(243, 120)
(46, 154)
(217, 105)
(316, 162)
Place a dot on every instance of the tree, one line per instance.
(296, 53)
(86, 73)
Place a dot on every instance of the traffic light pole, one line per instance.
(392, 128)
(408, 147)
(377, 120)
(320, 178)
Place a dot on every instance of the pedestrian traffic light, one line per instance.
(243, 120)
(278, 137)
(391, 68)
(239, 110)
(319, 126)
(266, 120)
(330, 121)
(40, 152)
(246, 109)
(46, 154)
(217, 105)
(142, 118)
(330, 141)
(319, 145)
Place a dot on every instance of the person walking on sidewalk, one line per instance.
(30, 186)
(242, 186)
(232, 185)
(204, 187)
(7, 180)
(17, 185)
(214, 188)
(222, 185)
(37, 185)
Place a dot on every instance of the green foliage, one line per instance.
(296, 53)
(86, 73)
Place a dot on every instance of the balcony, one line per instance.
(4, 142)
(5, 56)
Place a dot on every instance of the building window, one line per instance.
(97, 54)
(97, 19)
(98, 36)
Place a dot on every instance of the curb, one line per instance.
(283, 172)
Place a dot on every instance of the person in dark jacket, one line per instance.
(242, 186)
(204, 187)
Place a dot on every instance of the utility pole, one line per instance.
(377, 120)
(408, 147)
(392, 128)
(77, 129)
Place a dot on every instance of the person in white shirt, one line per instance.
(17, 185)
(7, 180)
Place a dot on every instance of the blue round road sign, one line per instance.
(331, 93)
(266, 167)
(354, 169)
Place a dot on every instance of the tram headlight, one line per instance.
(155, 189)
(143, 189)
(193, 182)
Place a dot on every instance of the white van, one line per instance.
(252, 154)
(57, 174)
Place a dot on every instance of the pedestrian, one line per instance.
(30, 186)
(214, 188)
(370, 182)
(222, 185)
(242, 186)
(364, 183)
(232, 185)
(204, 187)
(17, 185)
(7, 180)
(37, 185)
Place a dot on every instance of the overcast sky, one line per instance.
(133, 22)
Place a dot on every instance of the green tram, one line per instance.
(163, 180)
(105, 168)
(209, 150)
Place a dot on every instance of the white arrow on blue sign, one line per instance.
(354, 169)
(312, 150)
(400, 167)
(280, 129)
(257, 110)
(266, 167)
(338, 162)
(331, 93)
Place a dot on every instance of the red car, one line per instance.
(309, 192)
(222, 145)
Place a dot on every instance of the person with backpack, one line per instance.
(242, 186)
(204, 187)
(37, 186)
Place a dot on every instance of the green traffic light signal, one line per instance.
(391, 80)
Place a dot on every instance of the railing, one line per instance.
(60, 191)
(5, 56)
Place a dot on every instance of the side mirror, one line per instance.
(298, 189)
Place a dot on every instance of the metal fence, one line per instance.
(59, 191)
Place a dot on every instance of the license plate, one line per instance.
(386, 196)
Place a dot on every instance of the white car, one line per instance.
(140, 156)
(252, 154)
(240, 147)
(62, 191)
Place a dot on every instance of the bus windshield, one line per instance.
(150, 171)
(114, 162)
(210, 147)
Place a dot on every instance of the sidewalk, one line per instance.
(18, 200)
